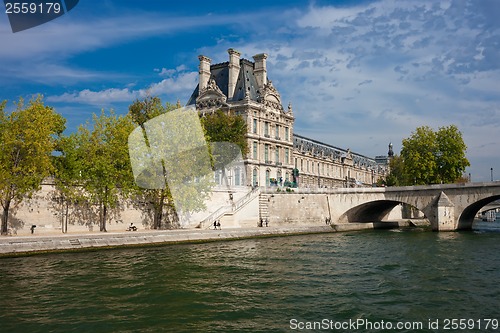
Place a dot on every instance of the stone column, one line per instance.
(260, 70)
(234, 71)
(204, 71)
(445, 214)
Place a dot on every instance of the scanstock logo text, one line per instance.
(28, 14)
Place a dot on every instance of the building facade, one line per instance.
(277, 155)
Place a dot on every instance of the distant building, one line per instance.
(276, 154)
(384, 160)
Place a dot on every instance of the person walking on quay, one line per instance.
(218, 224)
(215, 225)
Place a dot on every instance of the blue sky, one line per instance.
(359, 74)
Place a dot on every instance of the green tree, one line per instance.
(68, 192)
(226, 127)
(101, 158)
(419, 156)
(431, 157)
(165, 140)
(227, 132)
(160, 199)
(396, 176)
(28, 137)
(451, 159)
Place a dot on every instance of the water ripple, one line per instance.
(255, 285)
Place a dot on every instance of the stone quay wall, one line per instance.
(303, 207)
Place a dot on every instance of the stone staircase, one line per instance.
(228, 210)
(263, 207)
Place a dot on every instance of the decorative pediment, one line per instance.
(347, 157)
(270, 97)
(211, 96)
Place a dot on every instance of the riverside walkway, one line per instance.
(26, 245)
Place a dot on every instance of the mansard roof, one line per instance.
(246, 82)
(320, 149)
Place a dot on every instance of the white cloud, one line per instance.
(52, 44)
(166, 72)
(57, 38)
(382, 69)
(178, 86)
(183, 83)
(327, 17)
(357, 76)
(51, 74)
(103, 97)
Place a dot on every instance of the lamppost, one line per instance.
(491, 174)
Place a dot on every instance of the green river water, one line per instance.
(345, 282)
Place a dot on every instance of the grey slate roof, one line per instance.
(320, 149)
(246, 81)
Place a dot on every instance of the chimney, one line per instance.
(260, 69)
(204, 71)
(234, 71)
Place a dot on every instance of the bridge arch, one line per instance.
(467, 216)
(372, 211)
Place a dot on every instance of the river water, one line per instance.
(325, 283)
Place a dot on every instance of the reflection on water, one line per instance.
(255, 285)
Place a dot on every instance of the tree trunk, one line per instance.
(104, 210)
(5, 218)
(103, 217)
(158, 211)
(66, 217)
(158, 214)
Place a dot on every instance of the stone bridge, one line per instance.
(448, 207)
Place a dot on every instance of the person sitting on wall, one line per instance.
(132, 227)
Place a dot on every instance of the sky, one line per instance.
(359, 74)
